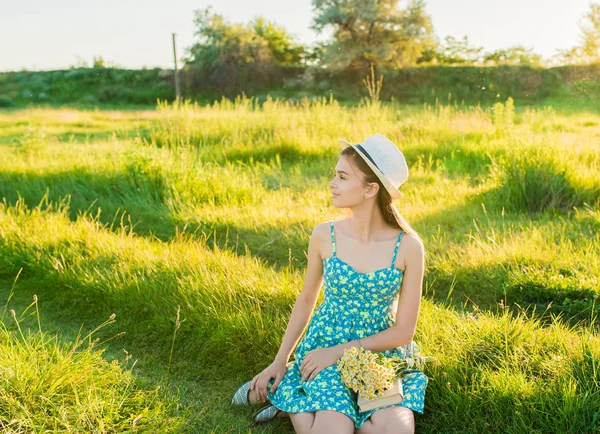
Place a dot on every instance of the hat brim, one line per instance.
(393, 191)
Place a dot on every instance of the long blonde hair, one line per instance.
(388, 209)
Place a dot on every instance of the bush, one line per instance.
(86, 85)
(536, 179)
(5, 102)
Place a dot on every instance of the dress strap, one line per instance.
(332, 237)
(396, 248)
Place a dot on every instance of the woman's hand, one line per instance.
(259, 383)
(316, 360)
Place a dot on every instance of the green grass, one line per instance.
(210, 208)
(54, 386)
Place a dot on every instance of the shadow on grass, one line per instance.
(74, 134)
(204, 402)
(202, 342)
(489, 285)
(143, 196)
(65, 324)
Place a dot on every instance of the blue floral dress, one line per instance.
(356, 305)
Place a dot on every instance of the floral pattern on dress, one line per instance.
(355, 305)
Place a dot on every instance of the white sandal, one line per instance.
(241, 396)
(266, 414)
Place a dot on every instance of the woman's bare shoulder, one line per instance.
(320, 238)
(412, 244)
(321, 230)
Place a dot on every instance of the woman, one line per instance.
(369, 301)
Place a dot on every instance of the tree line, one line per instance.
(365, 32)
(228, 57)
(260, 57)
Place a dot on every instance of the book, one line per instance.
(393, 395)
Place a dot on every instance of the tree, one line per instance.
(591, 35)
(224, 43)
(373, 31)
(98, 62)
(588, 51)
(517, 55)
(232, 57)
(259, 41)
(284, 49)
(453, 51)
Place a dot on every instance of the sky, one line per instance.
(58, 34)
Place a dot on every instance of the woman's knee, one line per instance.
(323, 421)
(302, 422)
(393, 420)
(330, 421)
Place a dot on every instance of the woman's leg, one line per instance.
(322, 422)
(389, 420)
(253, 398)
(303, 421)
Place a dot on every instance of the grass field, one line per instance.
(208, 209)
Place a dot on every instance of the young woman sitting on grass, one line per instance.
(372, 298)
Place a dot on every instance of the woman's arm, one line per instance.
(301, 313)
(305, 304)
(409, 303)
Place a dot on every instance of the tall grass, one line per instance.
(195, 219)
(53, 386)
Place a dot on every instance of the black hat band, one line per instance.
(368, 156)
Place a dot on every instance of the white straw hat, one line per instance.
(385, 159)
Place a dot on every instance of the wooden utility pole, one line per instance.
(177, 84)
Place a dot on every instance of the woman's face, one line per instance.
(347, 189)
